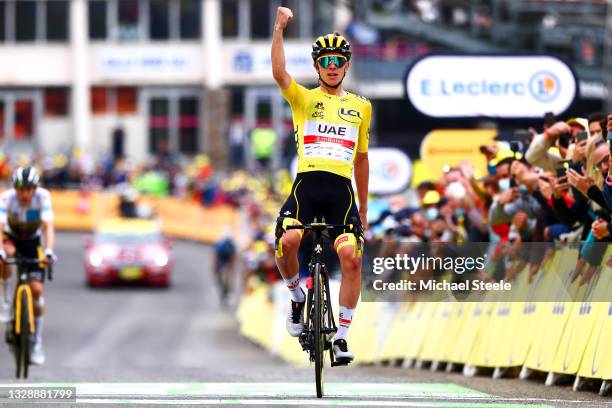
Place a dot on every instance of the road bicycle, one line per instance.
(319, 324)
(22, 326)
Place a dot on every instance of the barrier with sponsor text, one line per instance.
(558, 336)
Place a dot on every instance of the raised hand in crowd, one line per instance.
(581, 182)
(545, 184)
(508, 196)
(559, 186)
(600, 228)
(579, 152)
(467, 170)
(558, 129)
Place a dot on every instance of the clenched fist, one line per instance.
(283, 16)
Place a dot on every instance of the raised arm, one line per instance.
(279, 71)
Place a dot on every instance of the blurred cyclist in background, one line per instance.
(25, 215)
(225, 253)
(331, 134)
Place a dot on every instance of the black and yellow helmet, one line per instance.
(331, 43)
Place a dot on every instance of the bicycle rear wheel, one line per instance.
(22, 346)
(319, 337)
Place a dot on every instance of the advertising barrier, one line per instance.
(185, 219)
(441, 148)
(560, 337)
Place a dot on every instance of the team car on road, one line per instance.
(127, 251)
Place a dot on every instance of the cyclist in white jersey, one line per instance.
(25, 215)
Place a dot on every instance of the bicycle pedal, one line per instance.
(341, 362)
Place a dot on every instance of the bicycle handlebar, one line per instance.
(31, 261)
(316, 226)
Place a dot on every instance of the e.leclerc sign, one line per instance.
(490, 86)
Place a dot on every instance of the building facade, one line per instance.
(167, 73)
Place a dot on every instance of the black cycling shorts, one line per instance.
(322, 194)
(28, 248)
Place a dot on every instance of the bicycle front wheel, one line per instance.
(22, 346)
(319, 337)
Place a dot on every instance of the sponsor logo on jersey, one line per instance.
(349, 115)
(319, 108)
(332, 133)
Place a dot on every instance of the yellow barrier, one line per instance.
(562, 336)
(75, 210)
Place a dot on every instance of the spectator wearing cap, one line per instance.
(538, 153)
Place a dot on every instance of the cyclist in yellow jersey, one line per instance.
(331, 129)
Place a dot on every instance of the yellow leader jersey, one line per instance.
(328, 129)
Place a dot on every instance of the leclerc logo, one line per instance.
(349, 115)
(389, 170)
(496, 86)
(544, 86)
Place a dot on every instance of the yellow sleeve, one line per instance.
(364, 129)
(294, 94)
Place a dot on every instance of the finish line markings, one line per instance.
(284, 393)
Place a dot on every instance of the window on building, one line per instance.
(99, 100)
(158, 20)
(159, 13)
(229, 18)
(122, 100)
(188, 125)
(2, 21)
(260, 19)
(322, 17)
(57, 20)
(126, 100)
(97, 11)
(159, 123)
(25, 20)
(190, 19)
(56, 102)
(23, 119)
(128, 18)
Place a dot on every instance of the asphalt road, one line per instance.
(145, 346)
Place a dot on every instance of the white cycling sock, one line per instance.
(293, 284)
(39, 320)
(344, 322)
(4, 290)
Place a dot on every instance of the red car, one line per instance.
(126, 250)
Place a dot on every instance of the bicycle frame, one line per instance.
(320, 326)
(329, 327)
(23, 322)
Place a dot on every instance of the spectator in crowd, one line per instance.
(596, 124)
(236, 141)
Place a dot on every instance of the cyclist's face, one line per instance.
(332, 74)
(24, 195)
